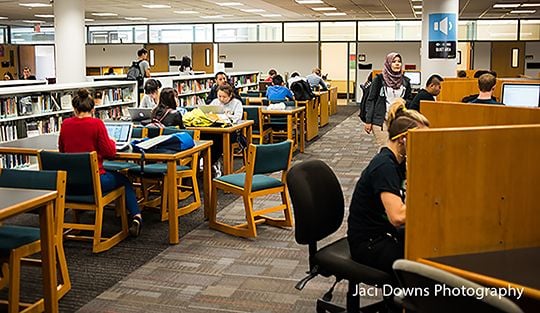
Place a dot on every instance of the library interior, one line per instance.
(269, 156)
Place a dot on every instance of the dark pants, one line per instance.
(113, 180)
(380, 252)
(217, 146)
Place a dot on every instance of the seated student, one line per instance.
(477, 74)
(486, 84)
(377, 212)
(221, 79)
(27, 74)
(110, 71)
(462, 74)
(185, 66)
(85, 133)
(271, 73)
(295, 76)
(314, 79)
(234, 111)
(151, 93)
(278, 92)
(433, 88)
(165, 113)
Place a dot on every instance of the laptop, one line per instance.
(216, 109)
(120, 132)
(140, 114)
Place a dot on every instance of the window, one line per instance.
(117, 34)
(181, 33)
(530, 30)
(3, 34)
(409, 30)
(338, 31)
(494, 30)
(236, 32)
(377, 31)
(301, 31)
(28, 35)
(466, 30)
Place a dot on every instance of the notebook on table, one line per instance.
(216, 109)
(120, 132)
(140, 114)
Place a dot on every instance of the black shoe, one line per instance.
(135, 228)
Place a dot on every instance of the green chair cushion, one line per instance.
(12, 236)
(259, 182)
(155, 169)
(83, 198)
(115, 166)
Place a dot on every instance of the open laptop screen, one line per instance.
(120, 132)
(524, 95)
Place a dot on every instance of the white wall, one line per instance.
(482, 55)
(284, 57)
(111, 55)
(532, 48)
(45, 62)
(334, 60)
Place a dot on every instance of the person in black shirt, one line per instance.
(165, 113)
(433, 88)
(377, 211)
(486, 84)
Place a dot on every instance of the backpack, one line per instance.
(301, 90)
(363, 102)
(134, 73)
(157, 122)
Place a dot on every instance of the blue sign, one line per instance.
(442, 35)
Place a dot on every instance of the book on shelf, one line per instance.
(65, 101)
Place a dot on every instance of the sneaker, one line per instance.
(201, 164)
(216, 171)
(135, 228)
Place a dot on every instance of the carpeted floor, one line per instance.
(91, 274)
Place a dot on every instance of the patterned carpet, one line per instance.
(213, 272)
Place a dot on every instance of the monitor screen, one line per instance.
(120, 132)
(415, 77)
(521, 95)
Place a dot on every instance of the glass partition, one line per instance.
(466, 30)
(181, 33)
(3, 34)
(301, 31)
(494, 30)
(28, 35)
(338, 31)
(529, 30)
(409, 30)
(117, 34)
(377, 31)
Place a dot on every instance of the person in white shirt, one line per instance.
(232, 106)
(151, 93)
(314, 79)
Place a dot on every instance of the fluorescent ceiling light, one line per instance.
(270, 15)
(104, 14)
(44, 15)
(229, 4)
(417, 6)
(3, 18)
(417, 12)
(530, 5)
(324, 9)
(89, 20)
(212, 16)
(186, 12)
(33, 21)
(505, 5)
(308, 1)
(523, 11)
(35, 5)
(252, 10)
(335, 14)
(135, 18)
(156, 6)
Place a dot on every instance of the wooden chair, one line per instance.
(260, 130)
(262, 159)
(84, 194)
(20, 242)
(154, 174)
(122, 166)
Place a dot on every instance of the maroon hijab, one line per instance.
(392, 79)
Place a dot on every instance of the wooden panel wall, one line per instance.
(456, 89)
(457, 114)
(5, 59)
(472, 190)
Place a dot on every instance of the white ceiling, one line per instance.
(289, 10)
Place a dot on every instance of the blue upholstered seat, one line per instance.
(13, 236)
(259, 181)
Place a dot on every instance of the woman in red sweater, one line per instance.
(85, 133)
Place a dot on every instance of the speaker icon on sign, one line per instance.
(443, 26)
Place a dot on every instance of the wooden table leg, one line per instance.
(302, 125)
(172, 202)
(49, 258)
(207, 181)
(227, 155)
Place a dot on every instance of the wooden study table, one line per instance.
(293, 113)
(228, 166)
(333, 96)
(321, 97)
(518, 268)
(14, 201)
(32, 146)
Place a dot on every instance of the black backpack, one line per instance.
(301, 90)
(365, 94)
(134, 73)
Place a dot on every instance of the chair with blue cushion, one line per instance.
(124, 165)
(18, 243)
(260, 130)
(83, 193)
(262, 160)
(154, 174)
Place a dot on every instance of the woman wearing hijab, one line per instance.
(386, 87)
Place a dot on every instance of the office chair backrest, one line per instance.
(416, 275)
(271, 158)
(79, 167)
(45, 180)
(317, 200)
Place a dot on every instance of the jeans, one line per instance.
(113, 180)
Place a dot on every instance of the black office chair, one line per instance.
(423, 277)
(318, 206)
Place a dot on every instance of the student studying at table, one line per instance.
(85, 133)
(278, 92)
(165, 112)
(376, 232)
